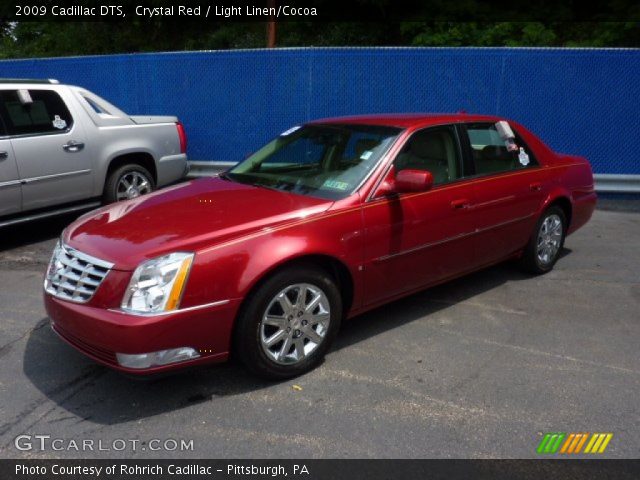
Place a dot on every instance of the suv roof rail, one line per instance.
(29, 80)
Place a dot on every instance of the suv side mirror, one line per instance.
(408, 181)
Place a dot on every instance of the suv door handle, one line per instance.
(3, 155)
(535, 186)
(460, 203)
(73, 146)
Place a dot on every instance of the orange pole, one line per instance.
(271, 26)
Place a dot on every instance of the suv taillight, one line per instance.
(182, 136)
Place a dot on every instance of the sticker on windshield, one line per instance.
(290, 131)
(59, 123)
(335, 184)
(523, 157)
(365, 155)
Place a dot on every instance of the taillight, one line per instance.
(182, 136)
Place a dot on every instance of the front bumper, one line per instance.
(100, 333)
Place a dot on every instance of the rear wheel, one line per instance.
(127, 182)
(547, 241)
(289, 323)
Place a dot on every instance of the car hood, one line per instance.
(185, 217)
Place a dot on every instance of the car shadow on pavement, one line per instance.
(101, 395)
(426, 302)
(34, 232)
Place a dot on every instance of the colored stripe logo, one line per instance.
(572, 443)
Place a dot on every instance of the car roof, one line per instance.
(49, 81)
(408, 120)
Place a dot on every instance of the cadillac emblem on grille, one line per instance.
(73, 275)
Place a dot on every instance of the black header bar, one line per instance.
(320, 11)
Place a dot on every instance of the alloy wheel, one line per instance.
(295, 323)
(132, 185)
(549, 239)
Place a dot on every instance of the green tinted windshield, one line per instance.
(327, 161)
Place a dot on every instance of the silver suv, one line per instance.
(63, 148)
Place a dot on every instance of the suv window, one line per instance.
(96, 107)
(490, 154)
(47, 113)
(433, 149)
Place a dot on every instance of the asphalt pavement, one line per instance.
(480, 367)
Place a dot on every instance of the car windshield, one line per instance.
(321, 160)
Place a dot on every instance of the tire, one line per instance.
(539, 259)
(113, 188)
(306, 349)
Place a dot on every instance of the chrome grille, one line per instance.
(73, 275)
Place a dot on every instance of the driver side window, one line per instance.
(434, 150)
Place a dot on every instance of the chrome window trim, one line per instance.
(30, 135)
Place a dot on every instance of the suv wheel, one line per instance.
(127, 182)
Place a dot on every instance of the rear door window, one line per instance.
(490, 153)
(45, 113)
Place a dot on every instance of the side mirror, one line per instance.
(408, 181)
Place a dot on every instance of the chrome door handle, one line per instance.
(3, 155)
(535, 186)
(73, 146)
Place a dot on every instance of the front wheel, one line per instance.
(544, 247)
(289, 323)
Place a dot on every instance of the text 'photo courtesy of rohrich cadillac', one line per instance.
(125, 470)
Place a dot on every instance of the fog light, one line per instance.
(153, 359)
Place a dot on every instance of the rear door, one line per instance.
(509, 188)
(49, 147)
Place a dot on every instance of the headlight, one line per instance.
(157, 285)
(54, 265)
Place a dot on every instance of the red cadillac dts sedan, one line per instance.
(328, 220)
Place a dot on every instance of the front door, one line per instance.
(413, 240)
(10, 189)
(49, 147)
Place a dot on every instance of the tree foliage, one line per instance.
(49, 39)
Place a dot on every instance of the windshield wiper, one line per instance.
(268, 187)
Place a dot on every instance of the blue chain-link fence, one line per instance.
(581, 101)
